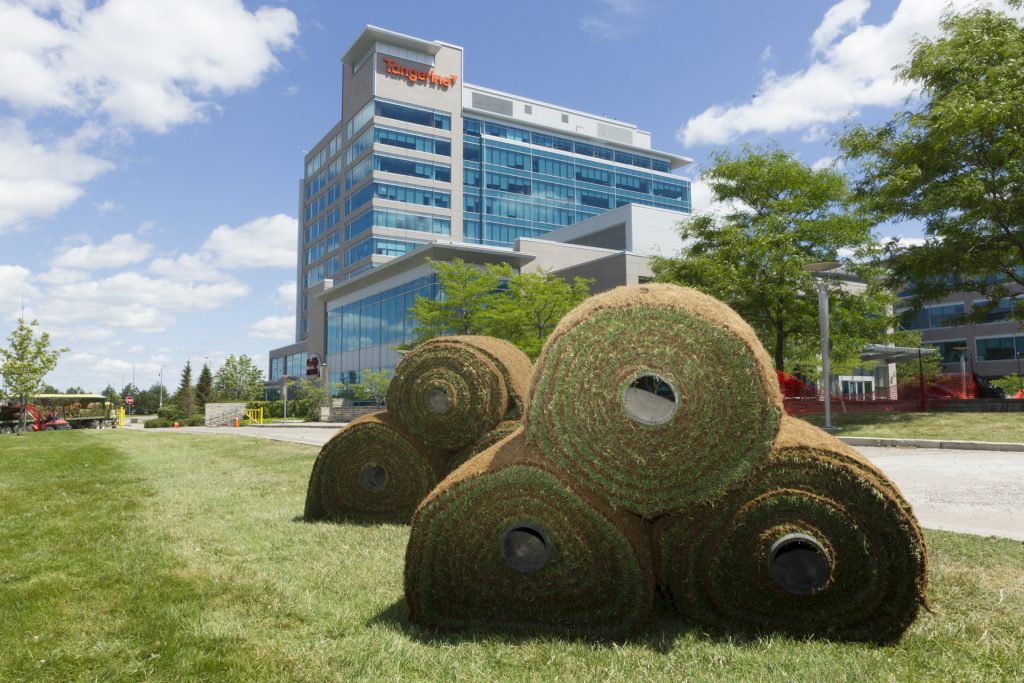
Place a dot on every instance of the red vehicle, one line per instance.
(50, 412)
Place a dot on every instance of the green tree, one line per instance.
(530, 306)
(112, 395)
(185, 397)
(955, 162)
(466, 293)
(782, 216)
(26, 361)
(311, 395)
(238, 379)
(373, 387)
(75, 390)
(522, 308)
(204, 387)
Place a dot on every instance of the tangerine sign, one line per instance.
(416, 76)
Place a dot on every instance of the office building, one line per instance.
(423, 166)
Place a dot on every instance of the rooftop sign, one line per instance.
(416, 76)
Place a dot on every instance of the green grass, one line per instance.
(1008, 427)
(133, 555)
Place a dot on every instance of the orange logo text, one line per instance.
(416, 76)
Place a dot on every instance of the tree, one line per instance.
(311, 395)
(185, 397)
(75, 390)
(522, 308)
(782, 216)
(238, 379)
(465, 295)
(527, 311)
(26, 361)
(204, 387)
(374, 386)
(111, 393)
(955, 162)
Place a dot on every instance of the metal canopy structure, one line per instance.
(894, 354)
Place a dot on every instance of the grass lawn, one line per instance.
(132, 555)
(938, 425)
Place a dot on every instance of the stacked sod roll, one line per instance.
(450, 391)
(509, 543)
(656, 409)
(372, 470)
(654, 397)
(450, 398)
(817, 542)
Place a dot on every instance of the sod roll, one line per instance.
(372, 470)
(486, 441)
(655, 397)
(507, 544)
(818, 543)
(450, 391)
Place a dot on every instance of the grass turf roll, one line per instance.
(655, 397)
(489, 439)
(450, 391)
(372, 470)
(507, 544)
(818, 543)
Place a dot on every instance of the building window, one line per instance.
(999, 348)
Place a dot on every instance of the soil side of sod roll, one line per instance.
(450, 391)
(507, 544)
(372, 470)
(853, 536)
(655, 397)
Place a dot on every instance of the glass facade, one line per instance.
(999, 348)
(293, 365)
(519, 183)
(932, 317)
(361, 335)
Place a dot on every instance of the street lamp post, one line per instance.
(1020, 383)
(962, 350)
(826, 365)
(162, 386)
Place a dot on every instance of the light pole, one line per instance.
(162, 386)
(962, 350)
(826, 365)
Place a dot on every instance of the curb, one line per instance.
(933, 443)
(302, 425)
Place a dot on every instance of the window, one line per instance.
(507, 183)
(589, 174)
(998, 314)
(949, 351)
(424, 117)
(943, 316)
(998, 348)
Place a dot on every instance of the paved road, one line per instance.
(974, 492)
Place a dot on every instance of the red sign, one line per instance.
(416, 76)
(312, 366)
(129, 400)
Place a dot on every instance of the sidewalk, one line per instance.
(877, 442)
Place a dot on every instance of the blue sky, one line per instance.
(151, 150)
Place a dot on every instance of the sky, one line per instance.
(151, 150)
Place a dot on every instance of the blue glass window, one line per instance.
(423, 117)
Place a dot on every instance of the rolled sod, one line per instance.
(507, 544)
(372, 470)
(486, 441)
(818, 543)
(655, 397)
(450, 391)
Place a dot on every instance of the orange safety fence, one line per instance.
(916, 394)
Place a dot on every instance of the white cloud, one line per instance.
(824, 162)
(38, 179)
(267, 242)
(850, 71)
(285, 294)
(838, 18)
(152, 64)
(273, 327)
(106, 206)
(120, 250)
(15, 283)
